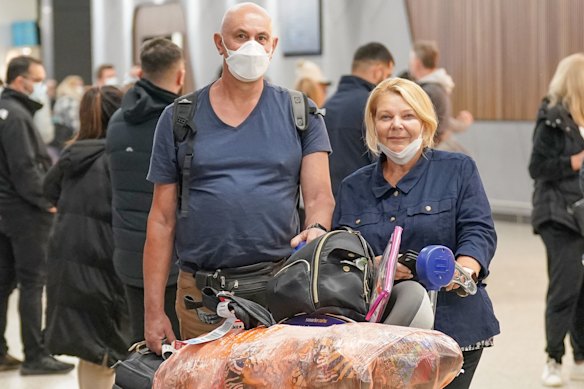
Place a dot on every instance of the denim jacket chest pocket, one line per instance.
(368, 223)
(432, 221)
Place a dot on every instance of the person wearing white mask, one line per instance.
(25, 217)
(248, 161)
(106, 75)
(436, 197)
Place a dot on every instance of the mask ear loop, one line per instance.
(225, 47)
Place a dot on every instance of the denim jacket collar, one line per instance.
(380, 186)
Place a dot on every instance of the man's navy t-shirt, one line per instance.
(244, 181)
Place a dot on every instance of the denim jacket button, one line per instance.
(428, 208)
(392, 219)
(358, 221)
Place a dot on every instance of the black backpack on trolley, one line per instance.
(333, 274)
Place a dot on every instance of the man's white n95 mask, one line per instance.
(249, 62)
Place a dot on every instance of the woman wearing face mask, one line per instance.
(437, 197)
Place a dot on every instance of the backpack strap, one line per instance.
(301, 109)
(183, 128)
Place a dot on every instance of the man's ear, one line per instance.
(180, 77)
(218, 39)
(274, 45)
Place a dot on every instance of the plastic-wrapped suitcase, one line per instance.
(354, 355)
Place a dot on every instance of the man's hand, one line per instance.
(52, 210)
(157, 330)
(306, 236)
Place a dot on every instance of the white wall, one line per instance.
(11, 11)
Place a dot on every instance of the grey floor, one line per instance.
(517, 287)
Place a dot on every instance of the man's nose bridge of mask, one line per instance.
(231, 51)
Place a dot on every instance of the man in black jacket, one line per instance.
(25, 216)
(129, 145)
(345, 110)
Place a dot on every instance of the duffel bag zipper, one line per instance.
(292, 264)
(315, 265)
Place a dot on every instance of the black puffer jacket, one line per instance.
(86, 308)
(556, 138)
(129, 145)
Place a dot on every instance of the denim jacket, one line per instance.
(441, 200)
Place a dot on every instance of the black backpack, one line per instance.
(332, 274)
(184, 131)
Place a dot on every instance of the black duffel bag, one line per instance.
(332, 274)
(137, 371)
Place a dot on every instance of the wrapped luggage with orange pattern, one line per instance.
(355, 355)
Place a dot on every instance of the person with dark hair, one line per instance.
(87, 315)
(106, 75)
(372, 63)
(423, 68)
(555, 164)
(128, 146)
(25, 216)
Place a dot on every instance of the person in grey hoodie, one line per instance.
(128, 146)
(438, 85)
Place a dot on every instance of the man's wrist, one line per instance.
(317, 225)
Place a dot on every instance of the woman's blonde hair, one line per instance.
(567, 86)
(416, 98)
(68, 87)
(312, 90)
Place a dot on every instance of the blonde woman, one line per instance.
(437, 198)
(556, 159)
(66, 110)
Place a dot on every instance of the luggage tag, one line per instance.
(230, 323)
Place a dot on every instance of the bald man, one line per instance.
(249, 159)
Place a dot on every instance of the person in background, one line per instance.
(372, 63)
(556, 159)
(311, 81)
(66, 110)
(43, 118)
(438, 85)
(436, 197)
(25, 217)
(87, 315)
(51, 92)
(248, 122)
(129, 146)
(106, 75)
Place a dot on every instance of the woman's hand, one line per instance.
(466, 262)
(403, 273)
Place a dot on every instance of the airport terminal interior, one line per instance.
(501, 56)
